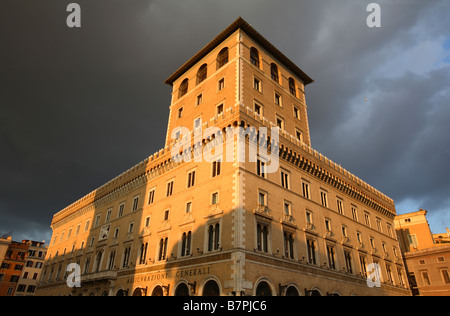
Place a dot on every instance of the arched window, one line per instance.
(98, 260)
(262, 232)
(183, 88)
(292, 291)
(186, 244)
(213, 237)
(162, 249)
(274, 72)
(254, 56)
(202, 73)
(182, 290)
(158, 291)
(292, 89)
(211, 288)
(263, 289)
(222, 57)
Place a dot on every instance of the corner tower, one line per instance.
(239, 69)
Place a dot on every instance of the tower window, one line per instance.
(254, 56)
(292, 89)
(183, 88)
(202, 73)
(274, 72)
(222, 57)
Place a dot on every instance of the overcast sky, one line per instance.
(78, 106)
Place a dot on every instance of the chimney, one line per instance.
(448, 232)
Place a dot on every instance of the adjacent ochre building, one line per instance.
(220, 225)
(427, 256)
(20, 266)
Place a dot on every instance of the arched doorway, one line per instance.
(182, 290)
(120, 293)
(158, 291)
(140, 291)
(211, 288)
(263, 289)
(292, 291)
(315, 293)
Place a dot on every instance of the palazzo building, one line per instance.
(218, 226)
(427, 256)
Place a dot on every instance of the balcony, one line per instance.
(264, 211)
(346, 241)
(310, 228)
(99, 276)
(288, 220)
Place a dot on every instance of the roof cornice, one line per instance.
(240, 23)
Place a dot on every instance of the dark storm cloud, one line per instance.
(80, 106)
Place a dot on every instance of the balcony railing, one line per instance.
(99, 276)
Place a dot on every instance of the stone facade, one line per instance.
(224, 227)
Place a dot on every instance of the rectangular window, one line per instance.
(220, 109)
(280, 123)
(262, 237)
(344, 231)
(354, 213)
(412, 240)
(186, 239)
(445, 276)
(215, 198)
(288, 245)
(216, 168)
(309, 217)
(261, 168)
(143, 255)
(311, 248)
(257, 84)
(327, 225)
(426, 278)
(305, 188)
(278, 99)
(108, 218)
(331, 257)
(390, 277)
(348, 261)
(180, 112)
(191, 179)
(299, 135)
(130, 227)
(363, 263)
(367, 219)
(287, 209)
(166, 215)
(199, 99)
(221, 84)
(169, 188)
(151, 196)
(163, 248)
(262, 198)
(188, 207)
(97, 220)
(197, 124)
(121, 208)
(135, 203)
(285, 179)
(213, 237)
(258, 109)
(379, 224)
(340, 206)
(296, 112)
(324, 198)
